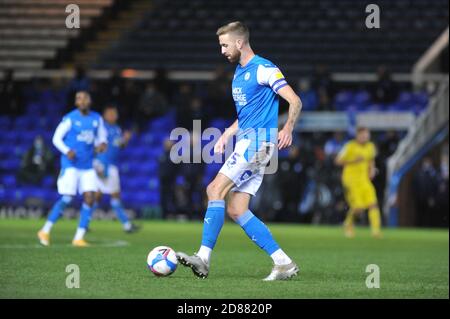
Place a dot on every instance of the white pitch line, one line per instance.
(117, 243)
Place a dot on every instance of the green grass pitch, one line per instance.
(413, 263)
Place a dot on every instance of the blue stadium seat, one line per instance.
(34, 109)
(154, 183)
(5, 123)
(8, 181)
(420, 98)
(9, 165)
(405, 99)
(27, 138)
(343, 99)
(146, 167)
(361, 98)
(8, 196)
(309, 100)
(6, 150)
(11, 136)
(48, 182)
(23, 123)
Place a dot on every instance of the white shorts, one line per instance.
(247, 175)
(72, 179)
(111, 183)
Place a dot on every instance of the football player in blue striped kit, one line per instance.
(256, 86)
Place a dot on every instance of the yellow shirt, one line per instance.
(357, 171)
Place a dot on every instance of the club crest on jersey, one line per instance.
(247, 76)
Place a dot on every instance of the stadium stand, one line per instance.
(34, 34)
(297, 35)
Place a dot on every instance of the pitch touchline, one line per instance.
(117, 243)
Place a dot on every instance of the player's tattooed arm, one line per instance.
(295, 106)
(219, 147)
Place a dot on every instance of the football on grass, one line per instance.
(162, 261)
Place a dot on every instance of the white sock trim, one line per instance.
(79, 234)
(47, 227)
(279, 257)
(204, 253)
(127, 226)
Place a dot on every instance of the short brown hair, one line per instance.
(360, 129)
(235, 27)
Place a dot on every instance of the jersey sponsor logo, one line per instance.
(86, 136)
(239, 97)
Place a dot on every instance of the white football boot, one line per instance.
(283, 272)
(198, 266)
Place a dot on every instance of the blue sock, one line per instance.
(85, 216)
(58, 208)
(258, 232)
(118, 209)
(213, 222)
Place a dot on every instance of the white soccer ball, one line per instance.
(162, 261)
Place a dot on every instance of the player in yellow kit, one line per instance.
(357, 158)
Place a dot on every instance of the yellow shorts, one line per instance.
(360, 195)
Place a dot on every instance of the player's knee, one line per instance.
(213, 191)
(98, 197)
(234, 212)
(67, 199)
(114, 202)
(89, 198)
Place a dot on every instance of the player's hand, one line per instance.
(359, 159)
(71, 154)
(373, 172)
(100, 173)
(127, 137)
(101, 148)
(284, 138)
(219, 147)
